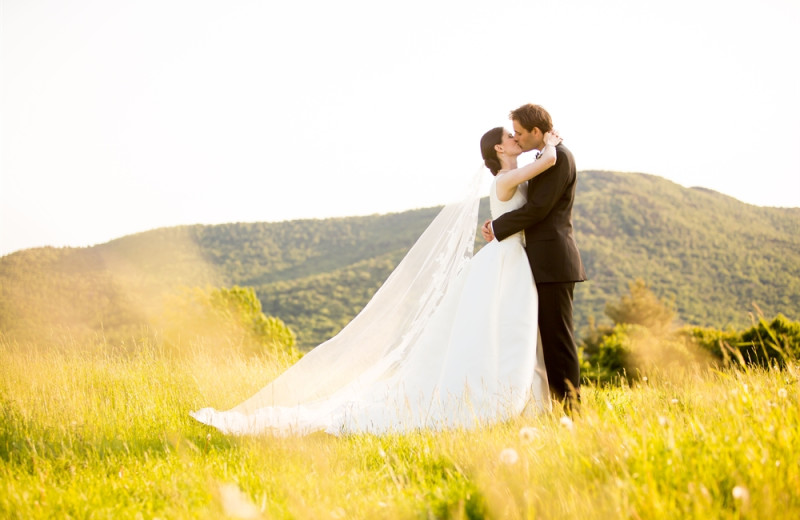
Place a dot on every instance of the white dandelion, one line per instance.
(236, 503)
(509, 456)
(741, 494)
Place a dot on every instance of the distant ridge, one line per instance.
(710, 254)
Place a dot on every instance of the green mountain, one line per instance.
(709, 254)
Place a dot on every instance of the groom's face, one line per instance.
(527, 140)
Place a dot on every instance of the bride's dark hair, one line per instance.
(488, 141)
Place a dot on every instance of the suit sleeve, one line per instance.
(547, 191)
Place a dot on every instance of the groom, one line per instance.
(552, 252)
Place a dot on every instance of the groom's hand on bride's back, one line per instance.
(486, 231)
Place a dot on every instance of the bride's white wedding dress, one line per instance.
(471, 355)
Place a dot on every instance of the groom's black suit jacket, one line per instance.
(547, 221)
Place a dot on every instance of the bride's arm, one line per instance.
(508, 182)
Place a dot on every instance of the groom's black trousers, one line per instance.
(558, 340)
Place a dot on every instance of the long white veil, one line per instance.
(376, 341)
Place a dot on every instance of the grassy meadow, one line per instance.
(103, 431)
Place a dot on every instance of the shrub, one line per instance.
(226, 318)
(763, 344)
(642, 339)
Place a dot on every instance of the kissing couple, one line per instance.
(452, 340)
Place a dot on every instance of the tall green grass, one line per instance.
(90, 433)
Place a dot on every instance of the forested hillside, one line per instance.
(711, 255)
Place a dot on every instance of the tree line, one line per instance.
(709, 255)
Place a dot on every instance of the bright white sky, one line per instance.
(119, 116)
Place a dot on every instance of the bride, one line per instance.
(448, 341)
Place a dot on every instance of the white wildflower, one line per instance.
(663, 421)
(235, 503)
(782, 393)
(528, 433)
(567, 423)
(509, 456)
(741, 493)
(674, 401)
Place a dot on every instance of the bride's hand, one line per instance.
(552, 138)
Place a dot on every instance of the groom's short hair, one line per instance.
(530, 116)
